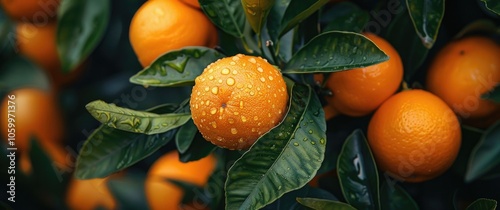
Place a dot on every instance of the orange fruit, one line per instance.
(163, 25)
(162, 194)
(38, 43)
(414, 136)
(360, 91)
(89, 194)
(36, 113)
(237, 99)
(462, 72)
(31, 10)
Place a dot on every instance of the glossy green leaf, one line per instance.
(228, 15)
(320, 204)
(484, 156)
(80, 27)
(297, 11)
(401, 35)
(358, 173)
(492, 5)
(426, 16)
(284, 159)
(470, 138)
(18, 72)
(128, 190)
(256, 12)
(109, 150)
(177, 67)
(185, 136)
(483, 204)
(335, 51)
(493, 95)
(199, 148)
(346, 16)
(289, 200)
(135, 121)
(393, 197)
(274, 18)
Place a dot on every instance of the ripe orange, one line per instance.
(36, 113)
(160, 26)
(414, 136)
(237, 99)
(89, 194)
(38, 43)
(31, 10)
(358, 92)
(162, 194)
(464, 70)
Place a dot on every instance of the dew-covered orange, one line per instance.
(237, 99)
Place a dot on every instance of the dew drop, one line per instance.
(214, 124)
(322, 141)
(252, 93)
(305, 139)
(296, 144)
(225, 71)
(234, 131)
(235, 72)
(262, 79)
(230, 120)
(260, 69)
(313, 143)
(230, 81)
(252, 60)
(232, 63)
(215, 90)
(271, 78)
(213, 110)
(210, 77)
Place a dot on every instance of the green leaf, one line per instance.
(18, 72)
(409, 46)
(320, 204)
(284, 159)
(492, 5)
(289, 200)
(274, 18)
(80, 26)
(109, 150)
(256, 12)
(484, 156)
(346, 16)
(185, 136)
(393, 197)
(297, 11)
(177, 67)
(129, 191)
(426, 16)
(493, 95)
(358, 173)
(335, 51)
(199, 149)
(483, 204)
(470, 138)
(135, 121)
(228, 15)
